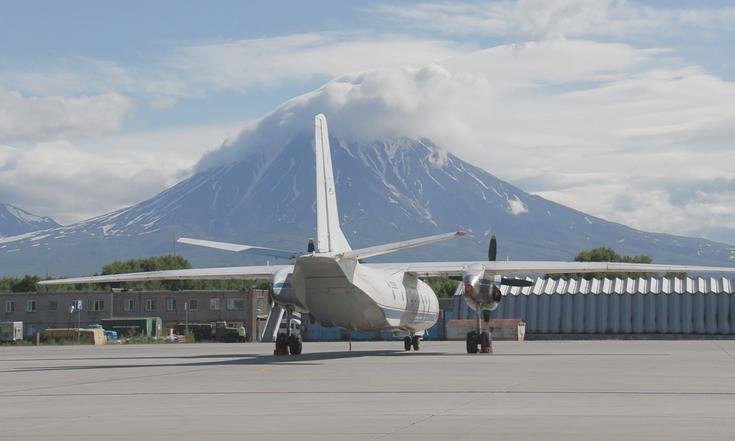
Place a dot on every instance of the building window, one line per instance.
(53, 305)
(170, 304)
(31, 306)
(99, 305)
(128, 305)
(214, 304)
(150, 304)
(10, 306)
(235, 304)
(193, 304)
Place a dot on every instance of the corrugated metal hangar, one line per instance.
(618, 306)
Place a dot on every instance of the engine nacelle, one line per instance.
(481, 291)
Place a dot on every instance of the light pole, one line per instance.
(186, 317)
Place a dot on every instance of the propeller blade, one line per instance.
(510, 281)
(492, 251)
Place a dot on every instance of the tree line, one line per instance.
(28, 283)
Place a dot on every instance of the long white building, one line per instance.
(619, 306)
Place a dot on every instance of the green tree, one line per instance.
(14, 284)
(442, 286)
(606, 254)
(160, 263)
(172, 262)
(26, 284)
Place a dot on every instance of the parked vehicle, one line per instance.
(110, 336)
(132, 326)
(10, 332)
(226, 333)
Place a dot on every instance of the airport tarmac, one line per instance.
(583, 390)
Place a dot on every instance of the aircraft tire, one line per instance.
(415, 342)
(407, 343)
(472, 342)
(294, 345)
(281, 345)
(484, 342)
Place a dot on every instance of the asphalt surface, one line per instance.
(591, 390)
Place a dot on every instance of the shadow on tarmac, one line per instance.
(313, 359)
(229, 360)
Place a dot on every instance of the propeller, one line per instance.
(492, 254)
(492, 251)
(512, 281)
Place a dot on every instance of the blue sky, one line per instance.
(103, 104)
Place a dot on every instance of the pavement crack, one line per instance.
(724, 350)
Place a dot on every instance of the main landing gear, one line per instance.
(479, 337)
(411, 342)
(288, 343)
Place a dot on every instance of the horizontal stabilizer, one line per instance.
(238, 248)
(398, 246)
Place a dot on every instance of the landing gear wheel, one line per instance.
(415, 342)
(407, 343)
(472, 342)
(485, 346)
(281, 345)
(294, 345)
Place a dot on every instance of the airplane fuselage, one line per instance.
(354, 296)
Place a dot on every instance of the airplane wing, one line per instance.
(234, 272)
(447, 269)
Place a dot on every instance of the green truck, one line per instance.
(134, 326)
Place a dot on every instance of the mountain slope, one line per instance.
(14, 221)
(388, 190)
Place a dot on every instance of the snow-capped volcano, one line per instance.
(389, 189)
(392, 184)
(14, 221)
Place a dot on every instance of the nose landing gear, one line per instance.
(288, 343)
(479, 337)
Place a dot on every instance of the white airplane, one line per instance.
(334, 285)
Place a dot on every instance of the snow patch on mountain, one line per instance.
(516, 206)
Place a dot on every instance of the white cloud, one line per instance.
(197, 70)
(240, 64)
(75, 181)
(50, 117)
(543, 19)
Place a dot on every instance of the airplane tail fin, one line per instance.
(329, 234)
